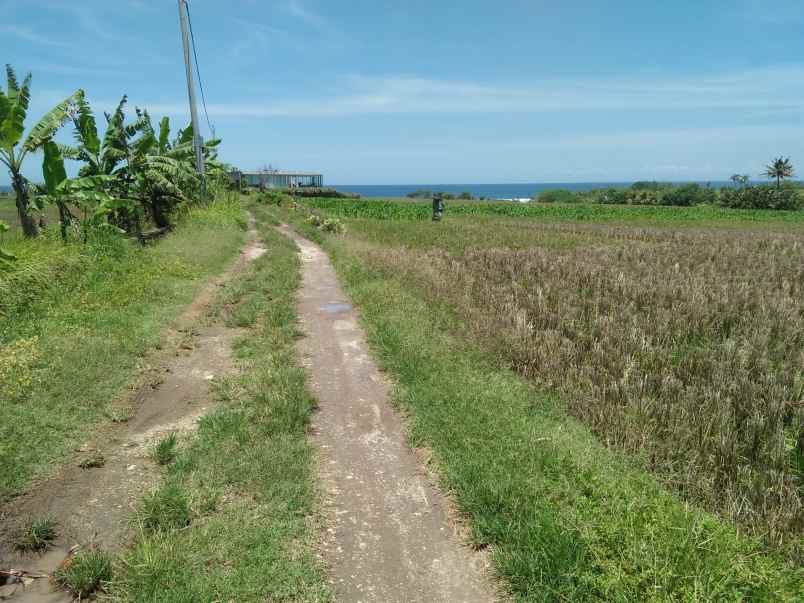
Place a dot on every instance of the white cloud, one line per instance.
(772, 89)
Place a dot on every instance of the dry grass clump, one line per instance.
(686, 348)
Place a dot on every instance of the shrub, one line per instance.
(558, 195)
(466, 196)
(688, 195)
(760, 197)
(650, 185)
(630, 196)
(420, 194)
(271, 197)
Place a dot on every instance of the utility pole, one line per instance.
(197, 140)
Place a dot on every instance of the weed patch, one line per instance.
(36, 535)
(165, 449)
(85, 573)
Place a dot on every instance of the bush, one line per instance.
(420, 194)
(466, 196)
(619, 196)
(688, 195)
(558, 195)
(271, 197)
(650, 185)
(760, 197)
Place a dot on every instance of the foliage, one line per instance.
(272, 197)
(688, 195)
(650, 185)
(760, 197)
(420, 194)
(740, 179)
(465, 196)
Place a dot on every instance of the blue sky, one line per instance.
(410, 91)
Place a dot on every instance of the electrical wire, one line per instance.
(197, 71)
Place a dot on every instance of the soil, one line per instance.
(389, 536)
(94, 505)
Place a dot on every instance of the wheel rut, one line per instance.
(388, 533)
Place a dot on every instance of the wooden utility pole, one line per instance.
(197, 141)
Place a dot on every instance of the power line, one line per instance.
(198, 72)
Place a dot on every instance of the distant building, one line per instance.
(277, 179)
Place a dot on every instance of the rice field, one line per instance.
(675, 334)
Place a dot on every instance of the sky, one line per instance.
(436, 91)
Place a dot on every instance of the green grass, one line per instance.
(87, 573)
(36, 534)
(77, 321)
(247, 474)
(166, 508)
(565, 519)
(576, 212)
(164, 452)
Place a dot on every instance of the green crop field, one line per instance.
(614, 394)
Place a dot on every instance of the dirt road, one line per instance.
(389, 537)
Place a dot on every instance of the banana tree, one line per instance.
(165, 171)
(13, 111)
(86, 193)
(108, 156)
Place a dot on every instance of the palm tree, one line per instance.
(780, 169)
(13, 110)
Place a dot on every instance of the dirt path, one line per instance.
(94, 506)
(389, 537)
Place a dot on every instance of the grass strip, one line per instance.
(565, 518)
(231, 521)
(77, 320)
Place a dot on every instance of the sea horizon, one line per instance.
(511, 190)
(499, 190)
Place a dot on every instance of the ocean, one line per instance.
(490, 191)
